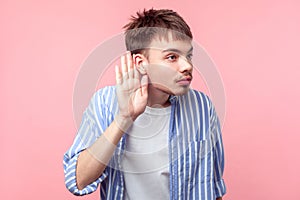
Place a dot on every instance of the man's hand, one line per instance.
(132, 89)
(132, 96)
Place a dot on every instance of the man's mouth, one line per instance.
(185, 80)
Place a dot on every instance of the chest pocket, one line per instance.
(197, 163)
(195, 166)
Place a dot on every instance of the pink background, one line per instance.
(255, 45)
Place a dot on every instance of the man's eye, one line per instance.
(172, 57)
(189, 57)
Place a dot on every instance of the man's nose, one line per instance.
(185, 64)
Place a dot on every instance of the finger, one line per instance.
(124, 67)
(135, 71)
(123, 64)
(136, 74)
(129, 61)
(129, 64)
(131, 73)
(144, 85)
(119, 77)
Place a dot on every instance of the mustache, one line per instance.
(184, 75)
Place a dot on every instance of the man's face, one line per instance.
(170, 67)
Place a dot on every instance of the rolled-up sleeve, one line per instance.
(219, 160)
(87, 134)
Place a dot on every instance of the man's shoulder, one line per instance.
(194, 96)
(105, 96)
(106, 89)
(105, 92)
(195, 100)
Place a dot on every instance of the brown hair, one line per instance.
(152, 24)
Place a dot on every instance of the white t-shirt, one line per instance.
(146, 160)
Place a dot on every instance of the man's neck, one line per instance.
(157, 98)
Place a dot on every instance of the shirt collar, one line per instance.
(173, 98)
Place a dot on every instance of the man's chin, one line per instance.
(179, 91)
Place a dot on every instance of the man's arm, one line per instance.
(93, 160)
(132, 97)
(218, 150)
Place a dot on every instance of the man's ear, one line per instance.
(141, 63)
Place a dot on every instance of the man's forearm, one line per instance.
(93, 160)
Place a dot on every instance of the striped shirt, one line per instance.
(196, 153)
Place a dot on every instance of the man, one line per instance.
(150, 136)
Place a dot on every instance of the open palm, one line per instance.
(132, 90)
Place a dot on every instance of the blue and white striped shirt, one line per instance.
(195, 148)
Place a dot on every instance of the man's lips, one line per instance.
(185, 81)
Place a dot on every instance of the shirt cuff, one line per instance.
(70, 179)
(220, 188)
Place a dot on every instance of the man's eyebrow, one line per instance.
(176, 50)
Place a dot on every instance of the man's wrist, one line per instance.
(123, 122)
